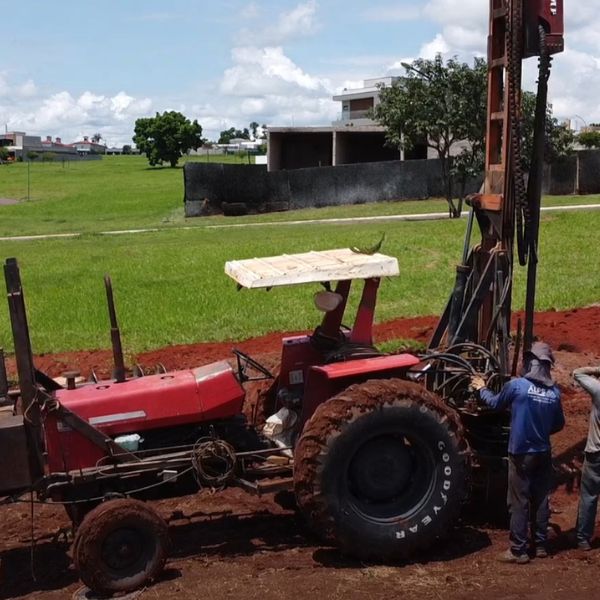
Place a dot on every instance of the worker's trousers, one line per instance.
(588, 496)
(529, 481)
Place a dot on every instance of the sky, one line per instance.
(72, 68)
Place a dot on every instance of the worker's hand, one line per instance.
(477, 382)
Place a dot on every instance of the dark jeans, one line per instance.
(529, 480)
(588, 497)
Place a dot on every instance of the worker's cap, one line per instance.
(541, 351)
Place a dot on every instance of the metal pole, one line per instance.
(25, 368)
(28, 179)
(115, 334)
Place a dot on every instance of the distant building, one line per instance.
(87, 146)
(353, 138)
(241, 145)
(358, 102)
(590, 127)
(19, 145)
(57, 146)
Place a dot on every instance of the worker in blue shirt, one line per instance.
(536, 413)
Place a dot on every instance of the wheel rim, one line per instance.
(126, 550)
(390, 477)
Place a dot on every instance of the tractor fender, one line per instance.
(325, 381)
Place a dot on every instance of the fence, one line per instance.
(211, 188)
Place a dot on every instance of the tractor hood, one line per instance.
(176, 398)
(186, 397)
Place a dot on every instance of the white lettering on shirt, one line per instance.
(542, 395)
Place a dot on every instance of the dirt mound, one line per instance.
(574, 331)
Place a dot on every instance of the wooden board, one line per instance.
(310, 267)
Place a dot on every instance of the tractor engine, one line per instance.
(148, 413)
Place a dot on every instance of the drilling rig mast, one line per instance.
(507, 210)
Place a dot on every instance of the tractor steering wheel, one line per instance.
(244, 360)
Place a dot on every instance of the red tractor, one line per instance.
(377, 448)
(378, 463)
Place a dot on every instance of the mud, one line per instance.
(233, 545)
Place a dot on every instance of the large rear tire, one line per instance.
(380, 469)
(120, 545)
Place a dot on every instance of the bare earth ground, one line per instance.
(232, 545)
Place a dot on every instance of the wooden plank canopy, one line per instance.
(310, 267)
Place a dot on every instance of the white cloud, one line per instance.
(575, 80)
(267, 86)
(299, 22)
(264, 71)
(464, 27)
(25, 89)
(125, 107)
(470, 14)
(437, 45)
(67, 116)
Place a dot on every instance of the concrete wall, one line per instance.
(211, 188)
(576, 174)
(560, 177)
(588, 172)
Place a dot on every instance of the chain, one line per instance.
(514, 45)
(514, 53)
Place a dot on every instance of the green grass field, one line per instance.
(170, 287)
(122, 192)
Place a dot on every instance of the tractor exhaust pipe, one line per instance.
(115, 333)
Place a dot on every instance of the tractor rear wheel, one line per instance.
(119, 546)
(380, 469)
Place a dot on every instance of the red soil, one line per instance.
(232, 545)
(574, 330)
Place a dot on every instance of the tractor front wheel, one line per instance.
(380, 469)
(120, 545)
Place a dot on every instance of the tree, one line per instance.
(254, 129)
(229, 134)
(166, 137)
(440, 105)
(589, 139)
(96, 138)
(126, 149)
(559, 138)
(4, 154)
(446, 104)
(32, 155)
